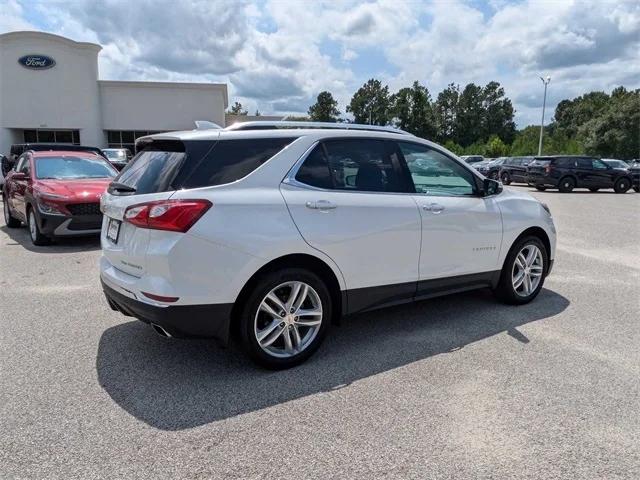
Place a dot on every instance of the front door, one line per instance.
(461, 230)
(350, 201)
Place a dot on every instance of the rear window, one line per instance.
(171, 165)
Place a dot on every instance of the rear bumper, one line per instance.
(182, 321)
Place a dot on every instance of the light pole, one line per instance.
(544, 104)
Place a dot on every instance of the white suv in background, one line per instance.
(275, 230)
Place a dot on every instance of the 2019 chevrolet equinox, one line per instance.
(277, 230)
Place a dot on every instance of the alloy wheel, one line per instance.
(527, 270)
(33, 228)
(288, 319)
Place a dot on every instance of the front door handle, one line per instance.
(435, 208)
(321, 205)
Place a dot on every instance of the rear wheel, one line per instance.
(37, 238)
(285, 318)
(523, 272)
(622, 185)
(10, 220)
(506, 178)
(567, 184)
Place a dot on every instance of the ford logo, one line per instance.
(36, 62)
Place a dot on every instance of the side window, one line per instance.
(584, 163)
(433, 173)
(598, 164)
(23, 164)
(363, 165)
(228, 161)
(315, 170)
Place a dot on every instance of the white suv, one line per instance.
(274, 232)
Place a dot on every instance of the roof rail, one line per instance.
(272, 125)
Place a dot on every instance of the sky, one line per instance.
(277, 55)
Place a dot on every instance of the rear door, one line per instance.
(350, 201)
(601, 174)
(19, 188)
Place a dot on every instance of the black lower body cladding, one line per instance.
(181, 321)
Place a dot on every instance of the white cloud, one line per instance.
(278, 54)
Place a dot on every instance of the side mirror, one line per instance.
(491, 187)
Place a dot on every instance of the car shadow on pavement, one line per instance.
(175, 384)
(20, 237)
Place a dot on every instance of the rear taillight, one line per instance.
(172, 215)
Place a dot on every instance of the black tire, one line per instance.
(637, 189)
(594, 190)
(566, 184)
(506, 178)
(249, 318)
(37, 238)
(622, 185)
(505, 290)
(493, 175)
(10, 220)
(541, 189)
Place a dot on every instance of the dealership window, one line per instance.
(126, 138)
(52, 136)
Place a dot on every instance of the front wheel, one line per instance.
(622, 185)
(285, 318)
(9, 220)
(523, 272)
(506, 179)
(567, 184)
(37, 238)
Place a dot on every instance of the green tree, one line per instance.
(495, 147)
(468, 127)
(454, 147)
(325, 109)
(237, 109)
(498, 113)
(445, 108)
(615, 131)
(371, 104)
(413, 111)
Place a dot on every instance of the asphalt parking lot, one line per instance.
(456, 387)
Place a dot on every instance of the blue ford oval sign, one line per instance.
(36, 62)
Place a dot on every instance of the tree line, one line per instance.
(479, 119)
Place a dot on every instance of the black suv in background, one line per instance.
(490, 168)
(568, 172)
(514, 170)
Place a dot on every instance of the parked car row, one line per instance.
(563, 172)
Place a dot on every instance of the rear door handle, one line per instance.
(433, 208)
(321, 205)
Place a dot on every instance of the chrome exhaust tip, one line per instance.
(160, 331)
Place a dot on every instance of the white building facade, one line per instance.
(50, 91)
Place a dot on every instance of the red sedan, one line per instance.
(57, 193)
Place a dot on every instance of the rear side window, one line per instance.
(171, 165)
(230, 160)
(566, 163)
(359, 165)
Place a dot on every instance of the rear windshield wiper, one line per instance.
(121, 187)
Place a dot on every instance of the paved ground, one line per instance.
(458, 387)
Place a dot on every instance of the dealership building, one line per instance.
(50, 91)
